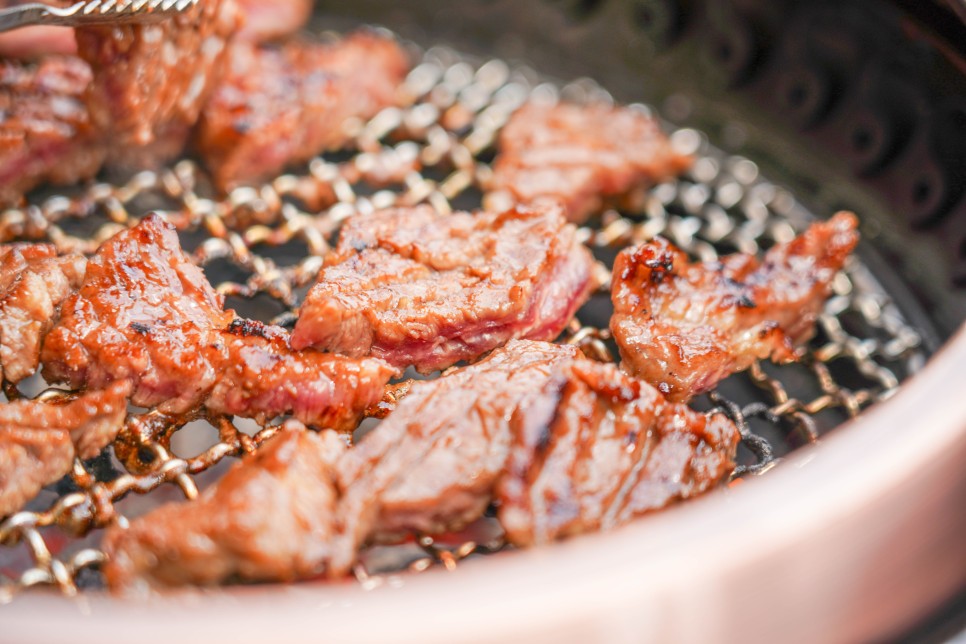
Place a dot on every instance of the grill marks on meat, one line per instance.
(144, 313)
(432, 464)
(614, 450)
(268, 518)
(279, 106)
(151, 81)
(46, 133)
(38, 441)
(519, 427)
(413, 287)
(581, 154)
(34, 282)
(684, 327)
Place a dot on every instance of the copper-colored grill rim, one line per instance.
(690, 212)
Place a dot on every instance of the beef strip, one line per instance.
(268, 518)
(34, 282)
(580, 154)
(39, 441)
(151, 81)
(684, 327)
(46, 133)
(432, 464)
(562, 444)
(144, 313)
(413, 287)
(614, 450)
(283, 105)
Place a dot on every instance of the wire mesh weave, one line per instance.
(263, 245)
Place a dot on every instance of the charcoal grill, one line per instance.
(794, 110)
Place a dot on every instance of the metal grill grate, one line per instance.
(262, 247)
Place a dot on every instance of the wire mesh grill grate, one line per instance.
(263, 245)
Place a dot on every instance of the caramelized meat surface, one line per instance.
(615, 449)
(432, 464)
(38, 441)
(416, 288)
(144, 313)
(684, 327)
(46, 133)
(269, 518)
(584, 155)
(562, 444)
(282, 105)
(151, 81)
(34, 282)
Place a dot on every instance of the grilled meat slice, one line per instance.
(581, 154)
(564, 446)
(413, 287)
(151, 81)
(46, 133)
(684, 327)
(38, 441)
(283, 105)
(34, 282)
(144, 313)
(269, 518)
(263, 378)
(432, 464)
(614, 450)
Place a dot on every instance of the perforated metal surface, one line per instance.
(262, 246)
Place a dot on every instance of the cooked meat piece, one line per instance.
(263, 378)
(614, 450)
(34, 282)
(684, 327)
(46, 133)
(562, 444)
(151, 81)
(268, 518)
(284, 105)
(144, 313)
(432, 464)
(581, 154)
(413, 287)
(270, 19)
(38, 441)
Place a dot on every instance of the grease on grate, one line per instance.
(262, 247)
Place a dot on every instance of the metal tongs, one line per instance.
(92, 12)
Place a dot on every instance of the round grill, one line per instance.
(263, 245)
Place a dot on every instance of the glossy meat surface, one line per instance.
(34, 282)
(269, 518)
(286, 104)
(584, 155)
(432, 464)
(146, 314)
(563, 445)
(151, 81)
(38, 441)
(46, 132)
(615, 449)
(684, 327)
(416, 288)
